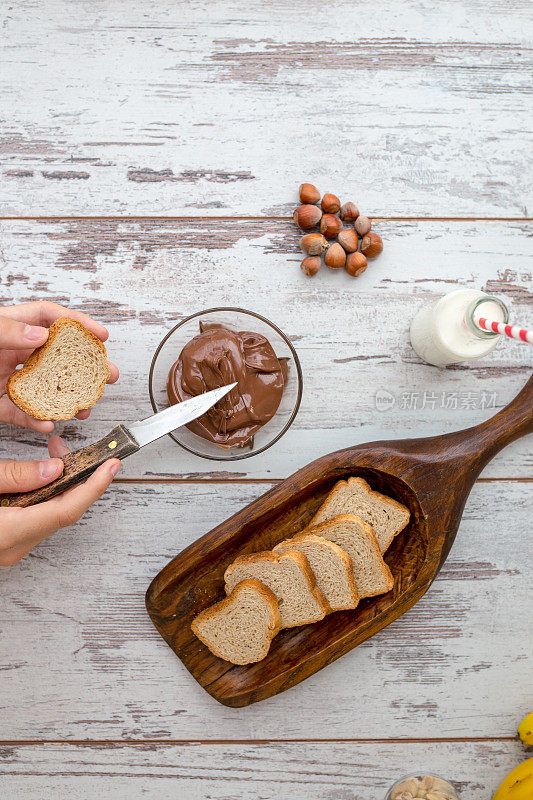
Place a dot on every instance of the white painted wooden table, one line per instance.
(149, 159)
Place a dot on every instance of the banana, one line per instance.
(525, 729)
(518, 785)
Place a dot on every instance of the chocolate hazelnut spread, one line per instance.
(216, 357)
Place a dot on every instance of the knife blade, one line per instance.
(147, 430)
(121, 442)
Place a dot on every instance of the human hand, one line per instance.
(22, 329)
(22, 528)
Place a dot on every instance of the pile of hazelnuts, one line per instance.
(346, 250)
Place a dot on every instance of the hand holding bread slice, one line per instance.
(66, 374)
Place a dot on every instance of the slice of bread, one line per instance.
(240, 628)
(372, 575)
(332, 567)
(354, 496)
(291, 579)
(65, 375)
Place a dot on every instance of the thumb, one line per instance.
(16, 335)
(21, 476)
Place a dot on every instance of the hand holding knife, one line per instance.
(122, 441)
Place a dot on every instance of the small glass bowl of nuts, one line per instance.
(422, 785)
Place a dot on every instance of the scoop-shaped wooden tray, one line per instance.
(432, 476)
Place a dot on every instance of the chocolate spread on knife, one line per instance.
(216, 357)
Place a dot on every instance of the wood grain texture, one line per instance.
(80, 657)
(412, 109)
(299, 771)
(140, 278)
(432, 477)
(225, 108)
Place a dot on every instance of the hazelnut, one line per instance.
(335, 256)
(355, 264)
(308, 193)
(313, 244)
(371, 245)
(349, 212)
(348, 239)
(330, 203)
(306, 216)
(362, 225)
(310, 265)
(330, 225)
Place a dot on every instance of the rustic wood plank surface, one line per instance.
(248, 771)
(141, 278)
(198, 121)
(179, 108)
(81, 659)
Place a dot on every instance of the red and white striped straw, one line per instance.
(512, 331)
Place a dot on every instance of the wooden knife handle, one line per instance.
(78, 466)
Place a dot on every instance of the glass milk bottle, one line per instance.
(445, 332)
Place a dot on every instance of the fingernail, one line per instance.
(114, 468)
(50, 467)
(35, 333)
(44, 427)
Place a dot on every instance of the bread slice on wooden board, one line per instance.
(331, 565)
(354, 496)
(65, 375)
(372, 575)
(240, 628)
(291, 579)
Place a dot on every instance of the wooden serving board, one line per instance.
(432, 476)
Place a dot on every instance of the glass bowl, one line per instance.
(236, 319)
(420, 785)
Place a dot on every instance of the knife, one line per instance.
(122, 441)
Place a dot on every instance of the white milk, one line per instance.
(444, 332)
